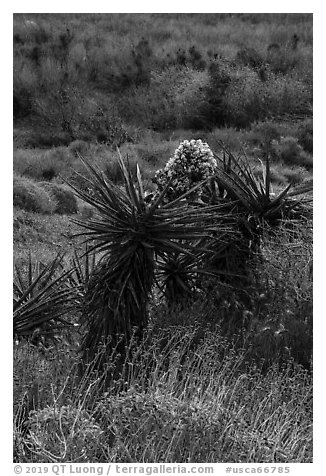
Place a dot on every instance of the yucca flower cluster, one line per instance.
(192, 162)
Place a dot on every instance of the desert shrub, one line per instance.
(22, 103)
(231, 137)
(295, 175)
(39, 164)
(79, 147)
(205, 399)
(249, 57)
(101, 121)
(175, 98)
(283, 60)
(65, 198)
(31, 197)
(38, 372)
(56, 67)
(306, 160)
(284, 309)
(62, 107)
(41, 235)
(294, 96)
(57, 159)
(290, 152)
(24, 88)
(277, 175)
(85, 210)
(196, 58)
(216, 90)
(193, 439)
(70, 109)
(248, 99)
(78, 429)
(151, 107)
(33, 31)
(263, 133)
(24, 162)
(128, 67)
(305, 136)
(243, 99)
(154, 153)
(106, 160)
(191, 57)
(191, 101)
(33, 139)
(47, 139)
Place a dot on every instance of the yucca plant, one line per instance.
(177, 273)
(83, 266)
(42, 296)
(131, 233)
(180, 276)
(236, 182)
(256, 207)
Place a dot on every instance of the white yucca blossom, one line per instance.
(192, 162)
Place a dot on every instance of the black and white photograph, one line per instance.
(162, 239)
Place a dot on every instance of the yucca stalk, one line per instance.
(130, 234)
(42, 296)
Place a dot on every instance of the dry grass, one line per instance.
(178, 400)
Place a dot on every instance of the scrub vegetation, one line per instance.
(163, 238)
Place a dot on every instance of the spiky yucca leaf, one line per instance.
(42, 297)
(83, 266)
(123, 217)
(236, 181)
(177, 272)
(130, 234)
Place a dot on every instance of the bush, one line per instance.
(41, 165)
(78, 147)
(175, 98)
(79, 430)
(249, 57)
(290, 152)
(283, 60)
(295, 175)
(216, 91)
(247, 99)
(183, 384)
(305, 136)
(285, 285)
(24, 88)
(231, 137)
(276, 174)
(191, 101)
(65, 198)
(31, 197)
(263, 133)
(62, 108)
